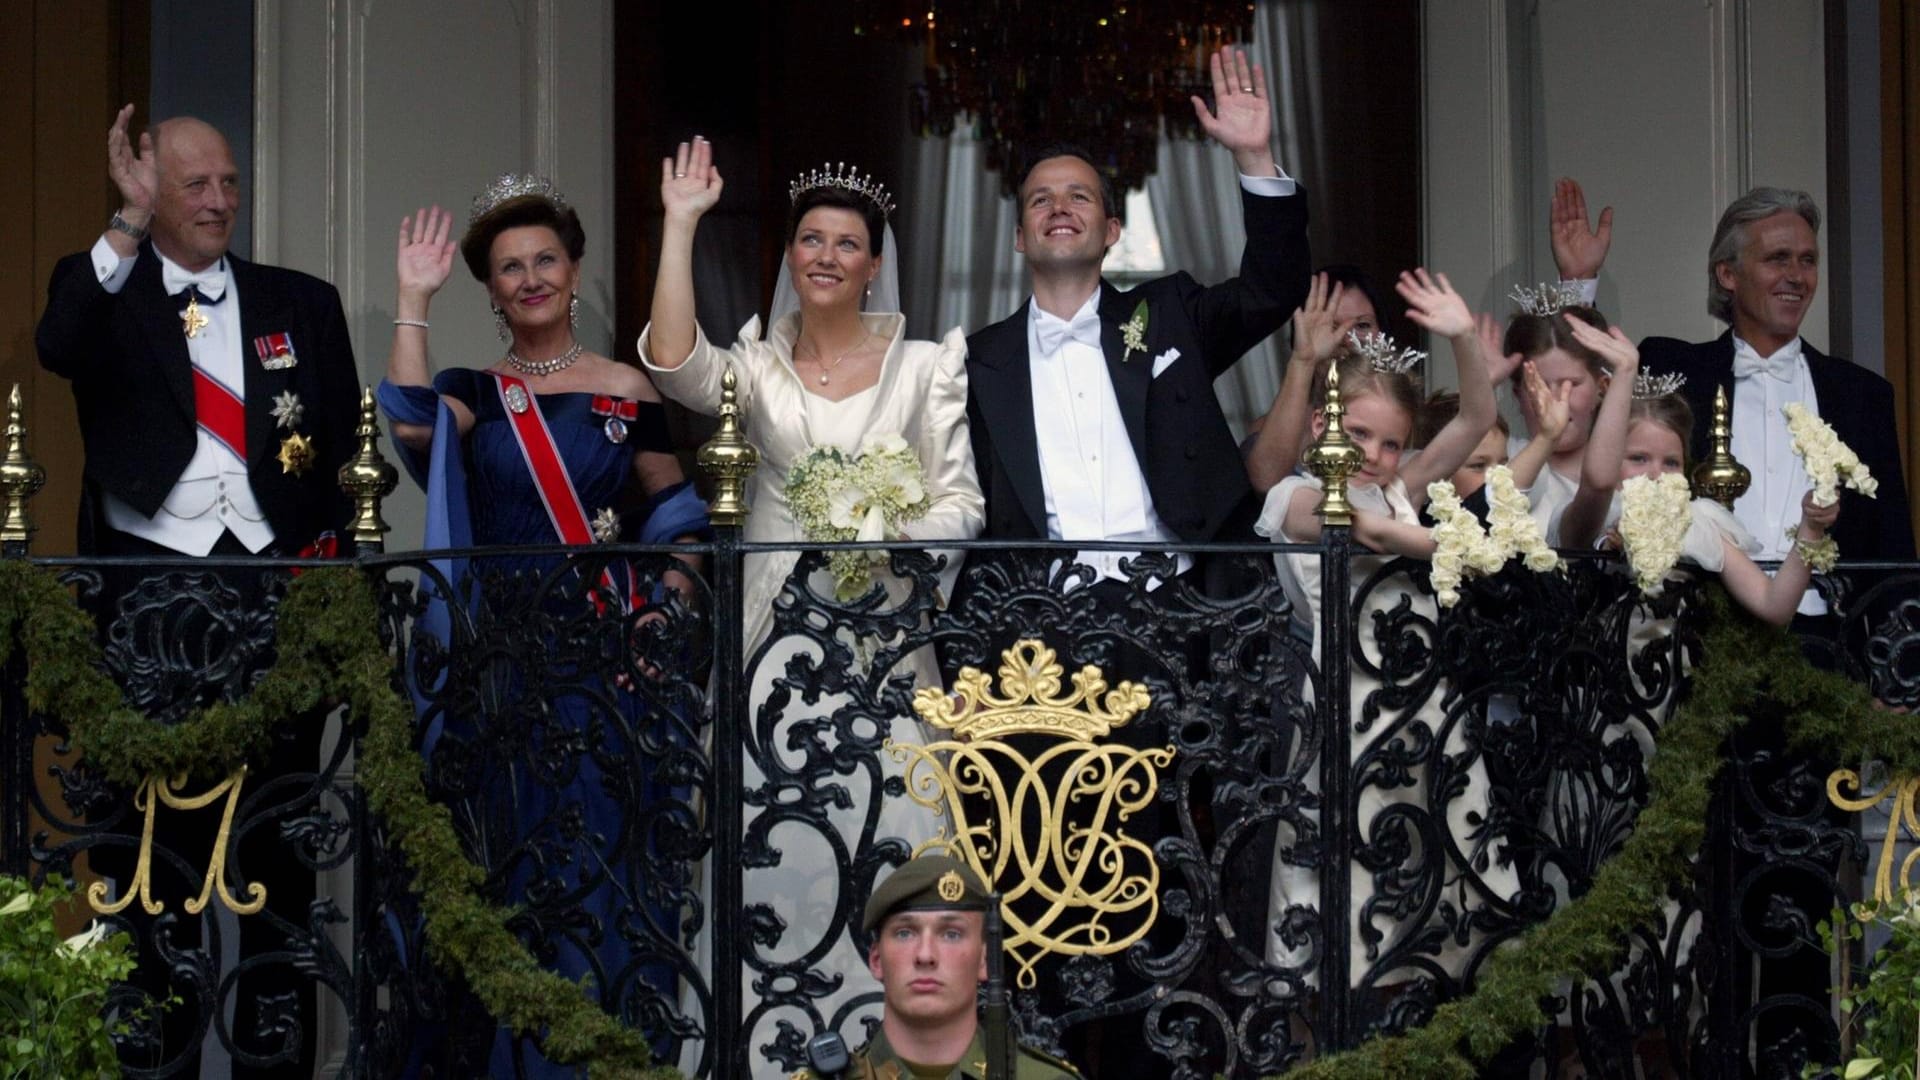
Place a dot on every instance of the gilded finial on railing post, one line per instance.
(20, 477)
(1334, 457)
(728, 459)
(1721, 477)
(367, 478)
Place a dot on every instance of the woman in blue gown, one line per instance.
(558, 775)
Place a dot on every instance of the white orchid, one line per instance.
(866, 496)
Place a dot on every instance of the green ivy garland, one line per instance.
(329, 650)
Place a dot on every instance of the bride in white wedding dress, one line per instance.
(834, 370)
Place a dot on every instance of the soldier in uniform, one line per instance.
(930, 956)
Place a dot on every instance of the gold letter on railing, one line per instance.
(144, 800)
(1900, 790)
(1098, 887)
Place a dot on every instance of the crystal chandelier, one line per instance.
(1101, 74)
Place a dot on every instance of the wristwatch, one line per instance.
(122, 225)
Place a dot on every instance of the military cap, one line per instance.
(932, 882)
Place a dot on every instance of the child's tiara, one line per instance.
(1551, 298)
(1647, 385)
(1382, 355)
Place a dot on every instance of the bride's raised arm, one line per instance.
(690, 185)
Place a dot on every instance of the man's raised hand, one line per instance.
(1578, 251)
(1240, 119)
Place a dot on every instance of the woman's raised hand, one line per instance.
(689, 182)
(1433, 304)
(1317, 333)
(426, 255)
(1621, 356)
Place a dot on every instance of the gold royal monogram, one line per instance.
(1068, 886)
(157, 789)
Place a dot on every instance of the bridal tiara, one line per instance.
(838, 175)
(514, 186)
(1383, 355)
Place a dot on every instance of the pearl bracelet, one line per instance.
(421, 323)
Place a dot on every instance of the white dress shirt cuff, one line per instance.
(1589, 288)
(1270, 187)
(112, 270)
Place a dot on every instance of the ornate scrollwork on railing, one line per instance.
(1094, 888)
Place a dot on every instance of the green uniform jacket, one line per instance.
(879, 1062)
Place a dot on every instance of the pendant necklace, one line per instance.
(825, 368)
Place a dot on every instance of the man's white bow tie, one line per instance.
(212, 282)
(1053, 333)
(1781, 365)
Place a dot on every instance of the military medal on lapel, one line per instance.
(193, 320)
(296, 454)
(516, 398)
(619, 413)
(275, 352)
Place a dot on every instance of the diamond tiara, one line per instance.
(1551, 298)
(1647, 385)
(838, 175)
(1383, 355)
(514, 186)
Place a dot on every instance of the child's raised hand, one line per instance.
(1816, 519)
(1317, 333)
(1552, 409)
(1500, 366)
(1621, 356)
(1432, 303)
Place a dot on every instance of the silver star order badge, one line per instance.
(606, 526)
(287, 410)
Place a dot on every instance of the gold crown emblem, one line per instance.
(838, 175)
(513, 186)
(950, 887)
(1382, 354)
(1551, 298)
(1648, 385)
(1033, 703)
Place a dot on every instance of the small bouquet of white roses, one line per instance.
(867, 495)
(1654, 518)
(1829, 462)
(1463, 547)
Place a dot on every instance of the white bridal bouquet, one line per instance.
(1654, 518)
(1462, 546)
(867, 495)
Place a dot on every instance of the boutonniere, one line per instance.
(1134, 332)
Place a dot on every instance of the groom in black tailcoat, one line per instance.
(1080, 434)
(1093, 417)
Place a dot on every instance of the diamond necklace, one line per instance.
(545, 367)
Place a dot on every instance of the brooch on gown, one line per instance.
(516, 398)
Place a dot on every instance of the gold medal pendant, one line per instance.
(191, 320)
(296, 454)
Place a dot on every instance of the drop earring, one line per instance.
(573, 311)
(500, 323)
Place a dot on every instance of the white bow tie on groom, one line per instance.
(1052, 333)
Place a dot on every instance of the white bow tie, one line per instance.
(1783, 365)
(212, 282)
(1052, 333)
